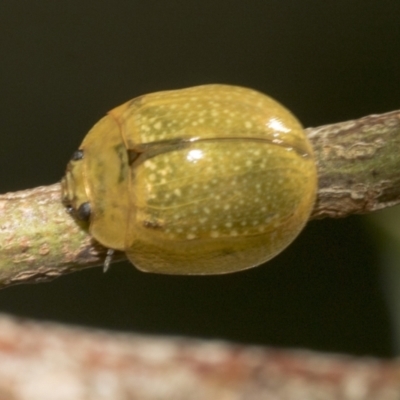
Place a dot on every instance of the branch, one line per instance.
(359, 172)
(358, 165)
(39, 360)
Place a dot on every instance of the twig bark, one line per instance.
(52, 362)
(358, 165)
(359, 172)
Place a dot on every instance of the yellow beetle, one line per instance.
(203, 180)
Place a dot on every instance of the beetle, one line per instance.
(203, 180)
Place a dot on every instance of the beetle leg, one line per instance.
(108, 259)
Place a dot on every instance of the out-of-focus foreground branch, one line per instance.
(359, 172)
(48, 362)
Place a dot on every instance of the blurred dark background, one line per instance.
(64, 64)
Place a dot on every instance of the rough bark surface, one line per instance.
(358, 165)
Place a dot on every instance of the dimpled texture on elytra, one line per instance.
(232, 169)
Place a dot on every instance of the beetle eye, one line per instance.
(83, 212)
(77, 155)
